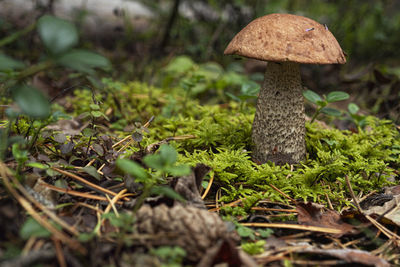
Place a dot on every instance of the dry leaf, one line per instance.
(315, 215)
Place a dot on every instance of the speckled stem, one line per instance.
(278, 127)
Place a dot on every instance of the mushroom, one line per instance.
(284, 41)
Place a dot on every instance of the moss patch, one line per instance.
(368, 157)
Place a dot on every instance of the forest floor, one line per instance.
(144, 176)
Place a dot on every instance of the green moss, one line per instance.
(223, 141)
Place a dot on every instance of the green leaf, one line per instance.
(32, 228)
(86, 237)
(154, 162)
(180, 64)
(31, 101)
(254, 248)
(179, 170)
(96, 114)
(83, 61)
(250, 88)
(58, 35)
(8, 63)
(167, 191)
(12, 112)
(331, 112)
(353, 108)
(210, 70)
(91, 171)
(37, 165)
(168, 154)
(21, 155)
(94, 107)
(172, 254)
(62, 183)
(204, 184)
(337, 96)
(265, 233)
(244, 231)
(233, 78)
(88, 132)
(114, 220)
(233, 97)
(132, 168)
(312, 96)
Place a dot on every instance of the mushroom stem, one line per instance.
(278, 127)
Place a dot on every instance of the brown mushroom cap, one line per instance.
(285, 37)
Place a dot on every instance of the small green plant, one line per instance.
(169, 256)
(124, 222)
(322, 102)
(253, 240)
(59, 38)
(248, 233)
(358, 120)
(208, 78)
(254, 248)
(162, 164)
(20, 155)
(248, 90)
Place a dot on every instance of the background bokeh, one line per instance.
(142, 37)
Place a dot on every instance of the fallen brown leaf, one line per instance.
(315, 215)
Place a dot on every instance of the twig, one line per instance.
(32, 258)
(39, 218)
(234, 203)
(282, 193)
(28, 245)
(295, 226)
(383, 229)
(49, 213)
(327, 197)
(272, 209)
(146, 125)
(208, 187)
(107, 210)
(59, 253)
(112, 205)
(367, 195)
(126, 138)
(83, 204)
(73, 192)
(353, 195)
(94, 186)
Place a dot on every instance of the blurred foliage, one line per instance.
(209, 81)
(59, 39)
(202, 29)
(365, 29)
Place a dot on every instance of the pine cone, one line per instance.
(191, 228)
